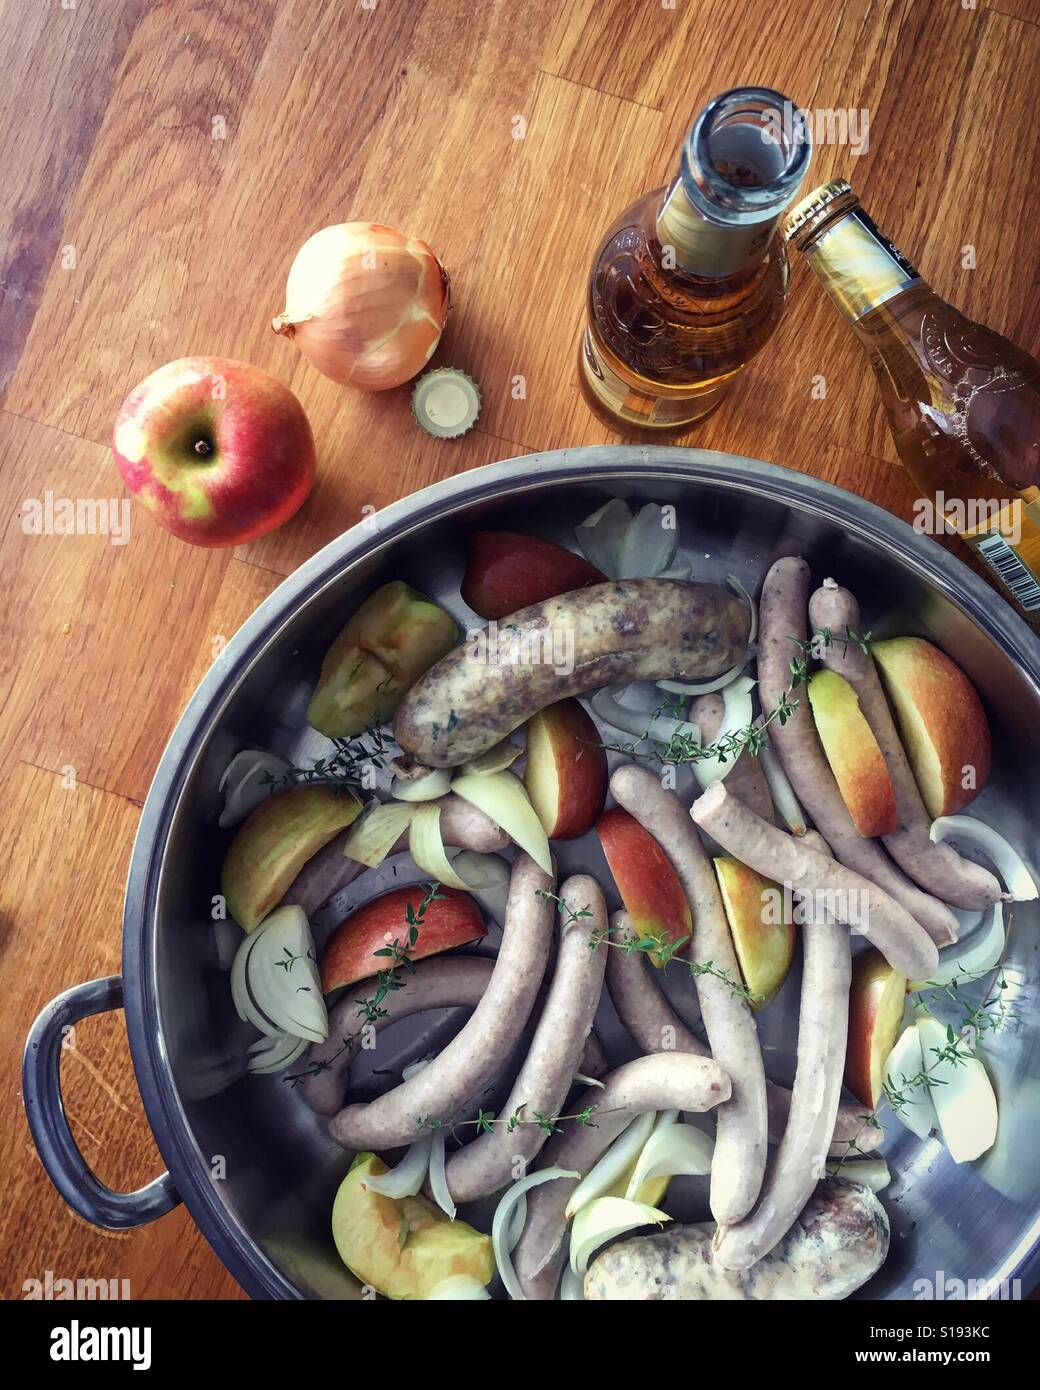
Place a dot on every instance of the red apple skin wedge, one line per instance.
(566, 775)
(764, 947)
(876, 1002)
(452, 919)
(855, 758)
(506, 571)
(944, 726)
(649, 886)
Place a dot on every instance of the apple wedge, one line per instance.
(451, 919)
(964, 1099)
(649, 886)
(506, 571)
(394, 637)
(763, 937)
(852, 750)
(274, 843)
(944, 727)
(566, 774)
(876, 1003)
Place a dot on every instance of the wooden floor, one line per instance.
(132, 234)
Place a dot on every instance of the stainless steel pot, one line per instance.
(254, 1167)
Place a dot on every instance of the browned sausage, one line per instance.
(608, 634)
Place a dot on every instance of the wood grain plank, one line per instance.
(53, 838)
(102, 633)
(59, 64)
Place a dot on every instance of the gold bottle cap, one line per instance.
(446, 402)
(813, 203)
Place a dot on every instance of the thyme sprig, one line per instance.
(665, 951)
(399, 952)
(343, 769)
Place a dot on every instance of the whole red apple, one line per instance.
(218, 451)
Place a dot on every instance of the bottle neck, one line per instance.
(857, 265)
(701, 245)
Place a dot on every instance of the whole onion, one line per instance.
(365, 304)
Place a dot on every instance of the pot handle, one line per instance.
(41, 1089)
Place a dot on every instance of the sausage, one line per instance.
(798, 1163)
(677, 1081)
(782, 617)
(542, 1084)
(745, 777)
(326, 872)
(849, 897)
(439, 982)
(936, 867)
(839, 1242)
(476, 1052)
(742, 1131)
(656, 1027)
(607, 634)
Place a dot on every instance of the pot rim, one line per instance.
(589, 464)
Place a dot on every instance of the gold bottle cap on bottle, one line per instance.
(819, 200)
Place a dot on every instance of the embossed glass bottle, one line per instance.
(690, 281)
(963, 403)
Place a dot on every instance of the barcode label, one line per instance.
(1011, 571)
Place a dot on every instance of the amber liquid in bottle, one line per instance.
(963, 402)
(690, 281)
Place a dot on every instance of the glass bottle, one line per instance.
(690, 281)
(963, 403)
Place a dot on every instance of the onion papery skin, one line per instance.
(365, 304)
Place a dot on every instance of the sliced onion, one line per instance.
(271, 1054)
(972, 959)
(780, 789)
(487, 879)
(671, 1152)
(708, 687)
(603, 1219)
(496, 759)
(572, 1286)
(245, 1005)
(906, 1060)
(407, 1177)
(737, 714)
(433, 783)
(375, 833)
(661, 728)
(289, 994)
(871, 1172)
(457, 1286)
(502, 1224)
(501, 796)
(605, 1173)
(1020, 881)
(600, 535)
(588, 1080)
(438, 1176)
(519, 1221)
(249, 779)
(426, 846)
(647, 547)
